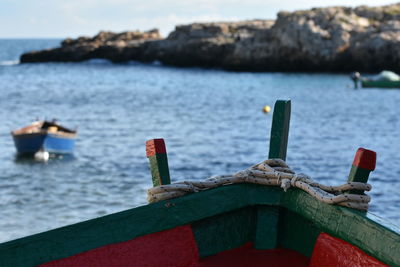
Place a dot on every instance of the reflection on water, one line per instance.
(30, 159)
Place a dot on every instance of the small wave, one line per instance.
(9, 62)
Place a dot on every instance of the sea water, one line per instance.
(212, 122)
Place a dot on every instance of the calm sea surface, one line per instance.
(211, 120)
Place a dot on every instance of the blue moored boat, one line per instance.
(46, 136)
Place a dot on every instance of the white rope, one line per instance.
(272, 172)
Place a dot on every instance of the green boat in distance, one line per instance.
(385, 79)
(232, 225)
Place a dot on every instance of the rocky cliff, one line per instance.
(321, 39)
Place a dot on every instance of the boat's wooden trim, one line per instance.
(28, 135)
(44, 127)
(34, 128)
(61, 135)
(352, 226)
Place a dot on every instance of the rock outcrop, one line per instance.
(321, 39)
(107, 45)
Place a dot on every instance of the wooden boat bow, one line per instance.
(230, 225)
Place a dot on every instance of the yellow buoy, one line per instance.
(266, 109)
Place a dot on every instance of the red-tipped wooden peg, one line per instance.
(365, 159)
(364, 162)
(157, 154)
(155, 146)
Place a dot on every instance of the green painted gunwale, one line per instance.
(358, 228)
(380, 84)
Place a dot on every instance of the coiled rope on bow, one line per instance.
(273, 172)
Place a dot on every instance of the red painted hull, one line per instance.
(333, 252)
(177, 248)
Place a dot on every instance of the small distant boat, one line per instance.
(385, 79)
(47, 136)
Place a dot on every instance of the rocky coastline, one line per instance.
(334, 39)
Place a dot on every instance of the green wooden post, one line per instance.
(364, 162)
(280, 130)
(268, 217)
(157, 154)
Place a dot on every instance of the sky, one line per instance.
(73, 18)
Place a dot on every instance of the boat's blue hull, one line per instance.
(52, 143)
